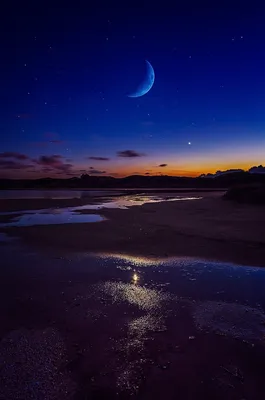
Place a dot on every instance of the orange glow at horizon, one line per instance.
(191, 170)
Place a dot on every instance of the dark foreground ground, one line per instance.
(123, 324)
(93, 327)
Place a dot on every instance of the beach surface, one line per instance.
(142, 305)
(207, 227)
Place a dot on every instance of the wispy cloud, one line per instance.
(99, 158)
(129, 154)
(13, 165)
(55, 161)
(162, 165)
(15, 155)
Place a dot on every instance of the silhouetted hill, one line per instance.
(252, 194)
(222, 180)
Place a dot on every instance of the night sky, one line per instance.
(66, 74)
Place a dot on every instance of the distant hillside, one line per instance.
(250, 194)
(223, 180)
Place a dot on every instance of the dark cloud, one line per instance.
(129, 154)
(99, 158)
(11, 164)
(49, 160)
(163, 165)
(257, 170)
(10, 160)
(219, 173)
(55, 161)
(15, 155)
(147, 173)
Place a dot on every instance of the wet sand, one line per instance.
(136, 320)
(210, 228)
(76, 327)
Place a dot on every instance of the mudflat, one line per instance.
(136, 320)
(209, 227)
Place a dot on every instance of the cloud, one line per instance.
(96, 171)
(10, 160)
(11, 164)
(129, 154)
(147, 173)
(257, 170)
(55, 162)
(15, 155)
(162, 165)
(219, 173)
(99, 158)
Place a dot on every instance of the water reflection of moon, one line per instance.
(147, 84)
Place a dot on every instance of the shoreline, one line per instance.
(209, 228)
(24, 204)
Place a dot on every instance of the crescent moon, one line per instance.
(147, 84)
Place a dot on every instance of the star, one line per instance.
(25, 65)
(189, 143)
(107, 38)
(189, 56)
(28, 92)
(241, 37)
(45, 103)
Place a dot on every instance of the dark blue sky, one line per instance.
(66, 73)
